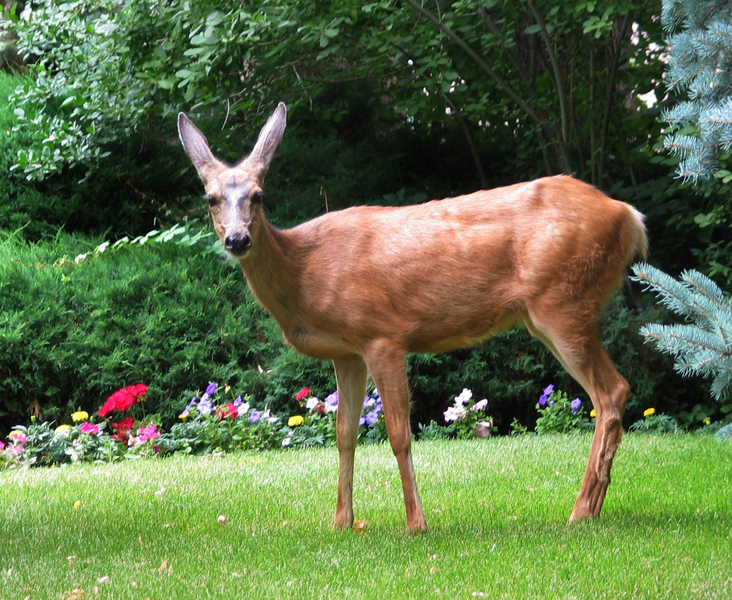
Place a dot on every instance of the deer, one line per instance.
(365, 286)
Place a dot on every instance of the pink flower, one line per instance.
(17, 437)
(14, 449)
(2, 445)
(480, 405)
(89, 428)
(144, 434)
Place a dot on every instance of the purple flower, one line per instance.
(372, 417)
(545, 396)
(361, 421)
(188, 408)
(238, 402)
(211, 389)
(368, 402)
(255, 416)
(205, 406)
(575, 405)
(331, 402)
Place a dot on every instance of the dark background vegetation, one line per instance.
(385, 107)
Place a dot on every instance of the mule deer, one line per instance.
(367, 285)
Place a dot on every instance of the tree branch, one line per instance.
(558, 76)
(627, 20)
(482, 64)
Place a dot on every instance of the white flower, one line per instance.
(312, 403)
(271, 420)
(480, 405)
(80, 257)
(243, 409)
(454, 413)
(464, 397)
(102, 247)
(286, 441)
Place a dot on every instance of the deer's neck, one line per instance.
(272, 269)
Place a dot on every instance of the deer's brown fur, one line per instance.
(367, 285)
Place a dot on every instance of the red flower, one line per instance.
(303, 393)
(230, 411)
(122, 429)
(123, 399)
(124, 425)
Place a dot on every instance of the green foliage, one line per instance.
(656, 424)
(558, 414)
(703, 348)
(517, 428)
(700, 64)
(434, 431)
(161, 314)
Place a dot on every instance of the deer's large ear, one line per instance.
(268, 141)
(196, 147)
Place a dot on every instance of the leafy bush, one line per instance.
(167, 315)
(558, 414)
(658, 423)
(171, 315)
(468, 417)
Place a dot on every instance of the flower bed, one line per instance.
(221, 421)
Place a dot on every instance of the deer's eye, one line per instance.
(257, 197)
(210, 200)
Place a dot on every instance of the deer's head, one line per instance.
(234, 192)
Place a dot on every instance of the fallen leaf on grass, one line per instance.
(77, 505)
(359, 527)
(163, 567)
(221, 519)
(75, 594)
(103, 579)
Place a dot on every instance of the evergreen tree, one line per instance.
(704, 347)
(700, 63)
(700, 49)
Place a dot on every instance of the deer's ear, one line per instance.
(196, 147)
(268, 141)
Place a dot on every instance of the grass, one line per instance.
(497, 511)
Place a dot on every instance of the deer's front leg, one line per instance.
(351, 376)
(390, 376)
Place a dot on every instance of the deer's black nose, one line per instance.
(238, 243)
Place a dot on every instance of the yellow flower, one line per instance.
(295, 421)
(593, 413)
(649, 411)
(62, 429)
(80, 415)
(707, 420)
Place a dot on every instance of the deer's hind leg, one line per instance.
(574, 338)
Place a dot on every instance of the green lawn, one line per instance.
(497, 511)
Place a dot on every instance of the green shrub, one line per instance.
(165, 315)
(656, 424)
(558, 414)
(175, 317)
